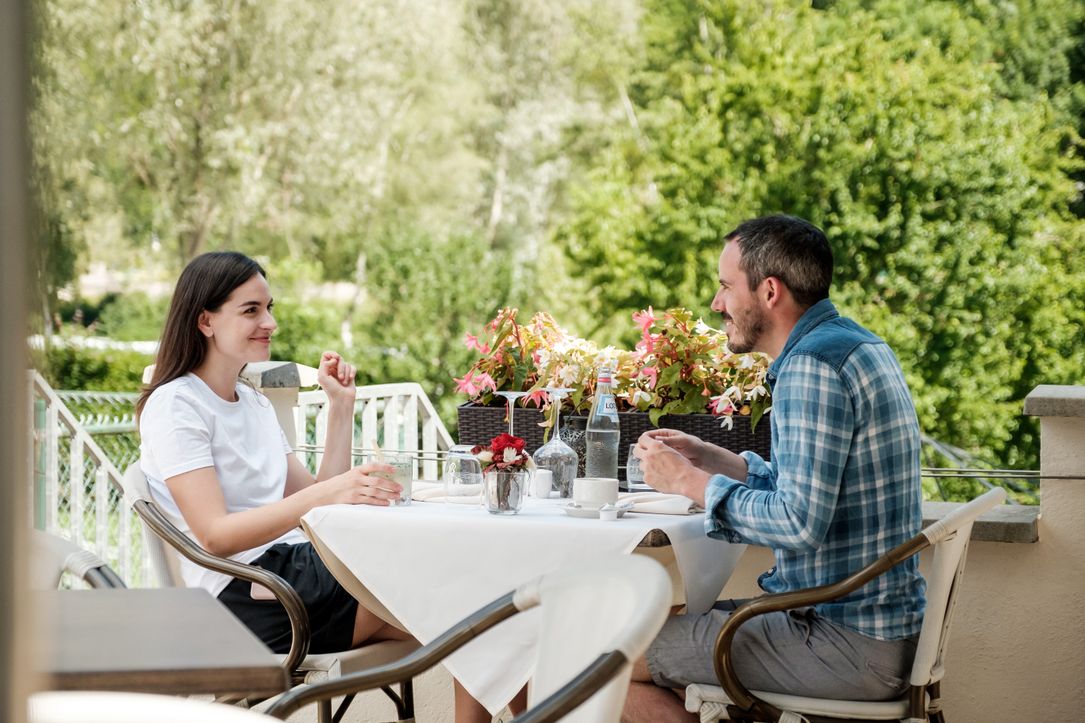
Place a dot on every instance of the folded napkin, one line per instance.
(422, 491)
(660, 503)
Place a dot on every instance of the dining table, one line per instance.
(178, 641)
(425, 566)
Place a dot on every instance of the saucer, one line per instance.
(590, 513)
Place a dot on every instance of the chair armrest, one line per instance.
(286, 595)
(725, 670)
(413, 664)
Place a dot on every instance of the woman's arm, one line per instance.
(199, 498)
(336, 378)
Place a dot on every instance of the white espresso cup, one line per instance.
(594, 492)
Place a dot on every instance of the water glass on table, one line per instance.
(633, 473)
(403, 474)
(462, 475)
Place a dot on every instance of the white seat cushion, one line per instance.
(711, 702)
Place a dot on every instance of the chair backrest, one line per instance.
(164, 559)
(588, 612)
(53, 556)
(949, 537)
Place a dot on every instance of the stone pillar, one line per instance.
(1061, 410)
(279, 382)
(1056, 644)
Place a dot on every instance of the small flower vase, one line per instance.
(504, 491)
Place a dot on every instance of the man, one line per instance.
(841, 489)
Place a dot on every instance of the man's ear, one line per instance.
(203, 323)
(772, 292)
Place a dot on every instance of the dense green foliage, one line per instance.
(444, 158)
(107, 370)
(946, 197)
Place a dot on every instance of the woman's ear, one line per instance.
(203, 323)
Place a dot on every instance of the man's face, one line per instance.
(739, 306)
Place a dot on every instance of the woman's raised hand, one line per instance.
(336, 378)
(361, 485)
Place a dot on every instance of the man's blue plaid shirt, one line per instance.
(842, 487)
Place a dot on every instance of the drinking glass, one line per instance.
(462, 473)
(633, 473)
(404, 474)
(510, 403)
(556, 455)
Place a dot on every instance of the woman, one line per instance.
(216, 459)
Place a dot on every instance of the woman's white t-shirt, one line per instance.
(186, 426)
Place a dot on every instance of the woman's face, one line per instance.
(240, 331)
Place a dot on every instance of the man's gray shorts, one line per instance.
(796, 652)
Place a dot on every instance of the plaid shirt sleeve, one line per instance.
(790, 505)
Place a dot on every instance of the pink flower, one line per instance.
(653, 376)
(646, 345)
(472, 385)
(537, 397)
(485, 380)
(645, 319)
(472, 342)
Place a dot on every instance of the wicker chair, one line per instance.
(166, 543)
(949, 537)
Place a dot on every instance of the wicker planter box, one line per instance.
(479, 424)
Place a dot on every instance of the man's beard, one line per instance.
(747, 331)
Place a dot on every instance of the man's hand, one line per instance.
(336, 378)
(703, 455)
(686, 445)
(668, 470)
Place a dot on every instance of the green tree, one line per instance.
(947, 203)
(424, 294)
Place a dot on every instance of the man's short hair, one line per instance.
(789, 248)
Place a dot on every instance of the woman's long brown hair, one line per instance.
(204, 285)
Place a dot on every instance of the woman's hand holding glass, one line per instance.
(361, 485)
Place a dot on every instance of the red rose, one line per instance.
(501, 441)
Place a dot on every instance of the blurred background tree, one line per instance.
(944, 180)
(406, 168)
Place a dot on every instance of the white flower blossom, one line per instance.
(758, 391)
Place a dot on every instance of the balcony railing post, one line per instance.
(1061, 410)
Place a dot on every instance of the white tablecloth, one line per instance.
(432, 564)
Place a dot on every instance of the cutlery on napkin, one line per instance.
(660, 503)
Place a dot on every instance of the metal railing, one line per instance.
(77, 490)
(387, 417)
